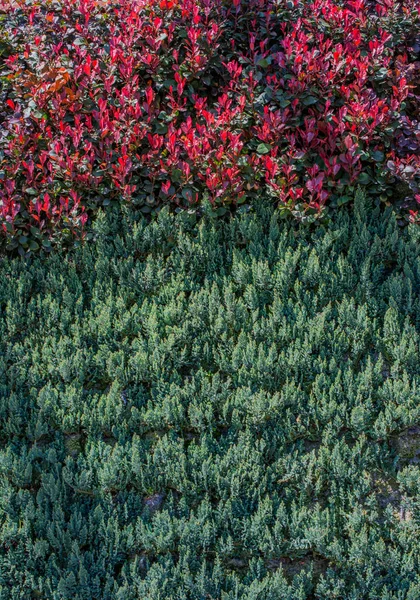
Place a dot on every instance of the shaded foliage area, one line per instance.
(222, 411)
(176, 102)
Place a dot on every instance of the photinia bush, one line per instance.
(179, 101)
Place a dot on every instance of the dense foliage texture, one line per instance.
(220, 411)
(178, 101)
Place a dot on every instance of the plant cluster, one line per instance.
(228, 411)
(181, 101)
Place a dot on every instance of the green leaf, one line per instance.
(378, 156)
(161, 128)
(263, 148)
(343, 200)
(364, 179)
(188, 194)
(284, 102)
(263, 62)
(309, 100)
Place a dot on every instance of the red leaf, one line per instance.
(165, 187)
(149, 96)
(166, 4)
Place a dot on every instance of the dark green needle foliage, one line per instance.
(213, 411)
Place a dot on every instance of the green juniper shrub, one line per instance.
(213, 411)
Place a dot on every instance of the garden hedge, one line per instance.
(178, 101)
(222, 410)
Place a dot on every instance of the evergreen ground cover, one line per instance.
(213, 410)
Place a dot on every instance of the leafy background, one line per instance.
(153, 103)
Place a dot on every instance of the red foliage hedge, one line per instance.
(174, 101)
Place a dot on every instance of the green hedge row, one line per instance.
(213, 412)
